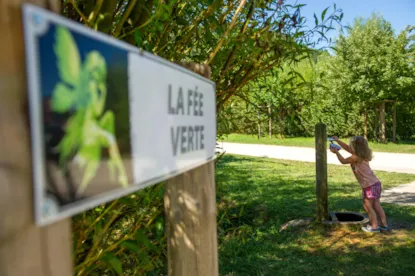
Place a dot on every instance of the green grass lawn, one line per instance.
(257, 195)
(401, 147)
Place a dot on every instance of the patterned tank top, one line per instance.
(364, 174)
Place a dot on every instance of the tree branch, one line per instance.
(124, 17)
(78, 11)
(95, 12)
(236, 46)
(225, 36)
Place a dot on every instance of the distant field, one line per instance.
(400, 147)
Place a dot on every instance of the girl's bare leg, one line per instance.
(368, 205)
(380, 212)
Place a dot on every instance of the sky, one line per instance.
(399, 13)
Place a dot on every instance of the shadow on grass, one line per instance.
(257, 195)
(314, 253)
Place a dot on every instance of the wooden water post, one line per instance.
(321, 172)
(190, 209)
(25, 249)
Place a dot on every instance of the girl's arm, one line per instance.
(342, 144)
(349, 160)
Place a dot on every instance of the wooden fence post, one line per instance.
(190, 207)
(270, 121)
(259, 126)
(365, 123)
(190, 211)
(376, 123)
(25, 249)
(394, 122)
(382, 121)
(321, 172)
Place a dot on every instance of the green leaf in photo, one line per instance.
(68, 58)
(62, 98)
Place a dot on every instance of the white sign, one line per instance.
(107, 119)
(174, 125)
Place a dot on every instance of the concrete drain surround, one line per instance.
(346, 218)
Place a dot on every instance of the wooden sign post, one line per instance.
(25, 249)
(190, 208)
(321, 172)
(81, 158)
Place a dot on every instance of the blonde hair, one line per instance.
(361, 148)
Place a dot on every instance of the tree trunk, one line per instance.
(365, 123)
(376, 123)
(108, 8)
(259, 126)
(394, 122)
(25, 249)
(282, 124)
(382, 122)
(270, 121)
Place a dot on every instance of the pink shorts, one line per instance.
(372, 192)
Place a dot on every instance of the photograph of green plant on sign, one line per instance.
(86, 123)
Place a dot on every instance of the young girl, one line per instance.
(371, 186)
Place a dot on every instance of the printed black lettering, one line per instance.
(197, 137)
(200, 104)
(170, 110)
(195, 103)
(174, 139)
(189, 100)
(180, 104)
(202, 137)
(183, 148)
(190, 139)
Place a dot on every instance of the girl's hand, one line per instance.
(335, 138)
(333, 150)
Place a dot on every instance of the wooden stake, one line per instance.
(382, 121)
(321, 172)
(25, 249)
(270, 121)
(394, 122)
(365, 123)
(376, 124)
(281, 124)
(259, 126)
(190, 208)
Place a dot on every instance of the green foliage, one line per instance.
(125, 236)
(370, 64)
(240, 40)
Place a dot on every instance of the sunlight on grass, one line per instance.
(401, 147)
(257, 195)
